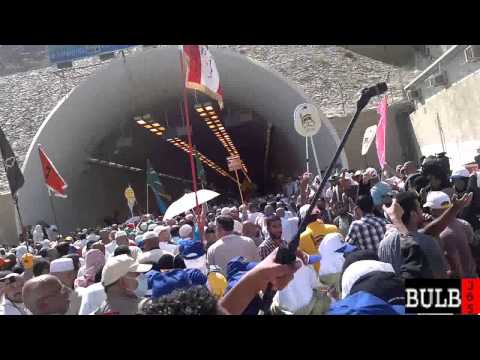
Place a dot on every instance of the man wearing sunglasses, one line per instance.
(11, 301)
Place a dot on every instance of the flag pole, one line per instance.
(189, 130)
(53, 210)
(147, 183)
(20, 220)
(239, 188)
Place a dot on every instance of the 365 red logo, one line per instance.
(449, 296)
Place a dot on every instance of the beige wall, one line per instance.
(400, 142)
(8, 230)
(452, 117)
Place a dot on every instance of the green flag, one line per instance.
(153, 180)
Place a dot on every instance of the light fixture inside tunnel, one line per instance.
(182, 145)
(212, 120)
(146, 121)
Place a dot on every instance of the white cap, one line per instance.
(358, 173)
(117, 267)
(149, 235)
(158, 229)
(225, 211)
(152, 256)
(189, 217)
(120, 233)
(143, 226)
(371, 171)
(460, 172)
(152, 226)
(45, 243)
(92, 237)
(185, 231)
(437, 200)
(61, 265)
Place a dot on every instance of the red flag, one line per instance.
(53, 180)
(202, 73)
(382, 110)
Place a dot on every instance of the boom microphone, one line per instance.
(375, 90)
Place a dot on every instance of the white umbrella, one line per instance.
(187, 202)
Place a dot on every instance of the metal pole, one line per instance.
(21, 222)
(239, 188)
(53, 210)
(314, 150)
(306, 153)
(147, 198)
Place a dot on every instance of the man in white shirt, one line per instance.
(152, 250)
(229, 245)
(164, 236)
(11, 301)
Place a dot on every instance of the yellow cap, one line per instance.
(217, 283)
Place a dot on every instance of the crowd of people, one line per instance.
(368, 232)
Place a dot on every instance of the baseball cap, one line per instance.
(117, 267)
(437, 200)
(459, 173)
(358, 173)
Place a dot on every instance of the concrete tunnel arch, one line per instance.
(99, 112)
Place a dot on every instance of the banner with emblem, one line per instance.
(201, 71)
(14, 174)
(368, 137)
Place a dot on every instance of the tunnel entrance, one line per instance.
(97, 120)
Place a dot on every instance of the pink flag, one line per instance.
(382, 110)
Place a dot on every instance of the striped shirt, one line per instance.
(267, 247)
(367, 232)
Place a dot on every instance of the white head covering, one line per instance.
(45, 243)
(143, 226)
(225, 211)
(120, 233)
(61, 265)
(185, 231)
(331, 261)
(93, 237)
(37, 234)
(20, 251)
(358, 269)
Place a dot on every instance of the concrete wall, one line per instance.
(92, 112)
(451, 116)
(401, 145)
(8, 230)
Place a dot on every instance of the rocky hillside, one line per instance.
(331, 76)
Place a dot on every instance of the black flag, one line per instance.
(14, 174)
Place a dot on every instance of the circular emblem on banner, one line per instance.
(129, 194)
(307, 119)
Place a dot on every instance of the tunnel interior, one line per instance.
(97, 120)
(131, 144)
